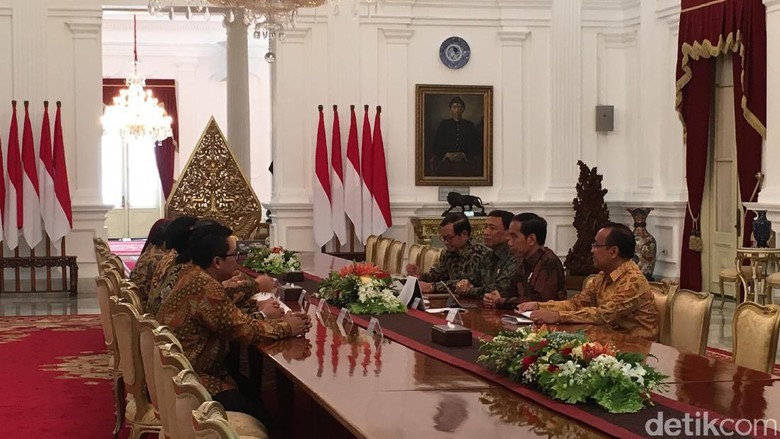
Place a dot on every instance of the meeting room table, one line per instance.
(403, 386)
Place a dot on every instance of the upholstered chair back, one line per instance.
(415, 253)
(168, 362)
(371, 249)
(116, 262)
(164, 340)
(130, 293)
(190, 394)
(429, 258)
(382, 250)
(755, 330)
(395, 256)
(103, 296)
(146, 327)
(588, 280)
(690, 320)
(102, 251)
(210, 422)
(662, 295)
(139, 413)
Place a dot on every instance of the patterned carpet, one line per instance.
(57, 380)
(127, 248)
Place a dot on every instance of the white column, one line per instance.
(396, 117)
(566, 97)
(29, 65)
(85, 112)
(238, 132)
(511, 160)
(771, 190)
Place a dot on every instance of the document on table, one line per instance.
(517, 320)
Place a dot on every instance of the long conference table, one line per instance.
(384, 389)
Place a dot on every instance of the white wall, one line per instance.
(550, 63)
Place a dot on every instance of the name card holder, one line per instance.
(416, 303)
(303, 301)
(374, 328)
(322, 306)
(344, 316)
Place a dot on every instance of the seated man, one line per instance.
(619, 296)
(205, 320)
(496, 270)
(459, 261)
(540, 277)
(154, 250)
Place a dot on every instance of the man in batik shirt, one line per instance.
(153, 251)
(177, 237)
(205, 320)
(458, 262)
(497, 269)
(619, 296)
(541, 276)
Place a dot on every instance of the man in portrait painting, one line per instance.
(457, 145)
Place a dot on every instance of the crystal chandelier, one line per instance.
(135, 113)
(269, 18)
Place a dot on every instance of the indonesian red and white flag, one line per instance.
(13, 196)
(46, 173)
(367, 171)
(381, 219)
(323, 229)
(353, 190)
(337, 181)
(63, 213)
(31, 202)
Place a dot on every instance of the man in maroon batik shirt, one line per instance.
(541, 277)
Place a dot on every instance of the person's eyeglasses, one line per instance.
(237, 254)
(594, 245)
(448, 238)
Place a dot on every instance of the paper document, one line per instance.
(515, 320)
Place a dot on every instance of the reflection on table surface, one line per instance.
(355, 377)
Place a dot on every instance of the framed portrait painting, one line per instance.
(454, 135)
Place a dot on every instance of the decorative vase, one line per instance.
(645, 252)
(762, 228)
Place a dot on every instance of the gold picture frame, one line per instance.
(454, 146)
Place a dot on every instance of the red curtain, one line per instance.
(165, 152)
(708, 29)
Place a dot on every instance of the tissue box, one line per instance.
(290, 293)
(446, 335)
(293, 276)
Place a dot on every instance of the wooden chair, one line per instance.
(690, 320)
(755, 331)
(415, 254)
(164, 340)
(371, 249)
(104, 303)
(190, 394)
(139, 414)
(395, 255)
(147, 325)
(210, 422)
(430, 257)
(728, 275)
(382, 250)
(116, 262)
(772, 282)
(662, 292)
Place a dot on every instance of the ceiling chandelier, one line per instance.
(135, 113)
(268, 18)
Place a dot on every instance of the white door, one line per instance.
(721, 210)
(132, 185)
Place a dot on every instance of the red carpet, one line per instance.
(720, 354)
(55, 381)
(127, 248)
